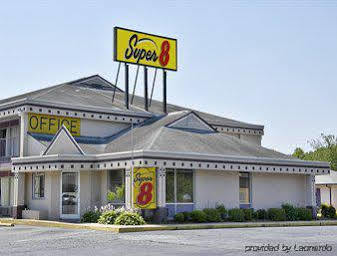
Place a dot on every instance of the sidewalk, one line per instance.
(154, 227)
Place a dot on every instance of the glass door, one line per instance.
(70, 195)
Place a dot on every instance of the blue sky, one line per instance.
(264, 62)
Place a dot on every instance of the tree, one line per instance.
(324, 149)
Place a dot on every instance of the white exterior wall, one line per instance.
(271, 190)
(100, 128)
(51, 201)
(90, 192)
(216, 187)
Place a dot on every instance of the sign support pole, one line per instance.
(164, 91)
(126, 86)
(146, 104)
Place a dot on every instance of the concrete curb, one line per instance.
(6, 225)
(125, 229)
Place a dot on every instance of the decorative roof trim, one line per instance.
(171, 124)
(171, 160)
(63, 128)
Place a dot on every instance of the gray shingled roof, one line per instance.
(96, 92)
(155, 135)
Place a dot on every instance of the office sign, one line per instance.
(144, 188)
(48, 124)
(145, 49)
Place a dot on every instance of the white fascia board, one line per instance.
(215, 157)
(176, 155)
(89, 108)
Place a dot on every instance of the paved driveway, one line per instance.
(27, 240)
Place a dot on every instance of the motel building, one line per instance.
(63, 148)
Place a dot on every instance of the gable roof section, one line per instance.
(157, 135)
(193, 122)
(63, 143)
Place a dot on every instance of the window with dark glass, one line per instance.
(170, 186)
(116, 185)
(179, 186)
(244, 181)
(38, 185)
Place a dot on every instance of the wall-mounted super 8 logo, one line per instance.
(145, 49)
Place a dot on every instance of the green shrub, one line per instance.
(222, 211)
(198, 216)
(236, 214)
(248, 213)
(328, 211)
(261, 214)
(304, 214)
(129, 218)
(291, 213)
(108, 217)
(187, 216)
(277, 214)
(212, 215)
(179, 217)
(90, 217)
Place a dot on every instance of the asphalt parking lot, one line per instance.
(28, 240)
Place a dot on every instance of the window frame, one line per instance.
(39, 197)
(175, 186)
(249, 204)
(111, 184)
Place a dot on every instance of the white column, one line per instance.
(19, 178)
(161, 187)
(128, 188)
(19, 187)
(23, 133)
(310, 190)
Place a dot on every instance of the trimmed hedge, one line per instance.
(129, 218)
(291, 212)
(303, 214)
(236, 214)
(222, 211)
(108, 217)
(277, 214)
(198, 216)
(179, 217)
(248, 213)
(261, 214)
(212, 215)
(328, 211)
(187, 216)
(90, 217)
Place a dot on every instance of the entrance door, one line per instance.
(70, 195)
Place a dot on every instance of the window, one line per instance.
(179, 186)
(116, 186)
(38, 185)
(245, 197)
(5, 188)
(3, 142)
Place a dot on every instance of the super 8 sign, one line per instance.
(144, 188)
(145, 49)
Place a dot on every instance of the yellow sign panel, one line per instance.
(144, 188)
(145, 49)
(48, 124)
